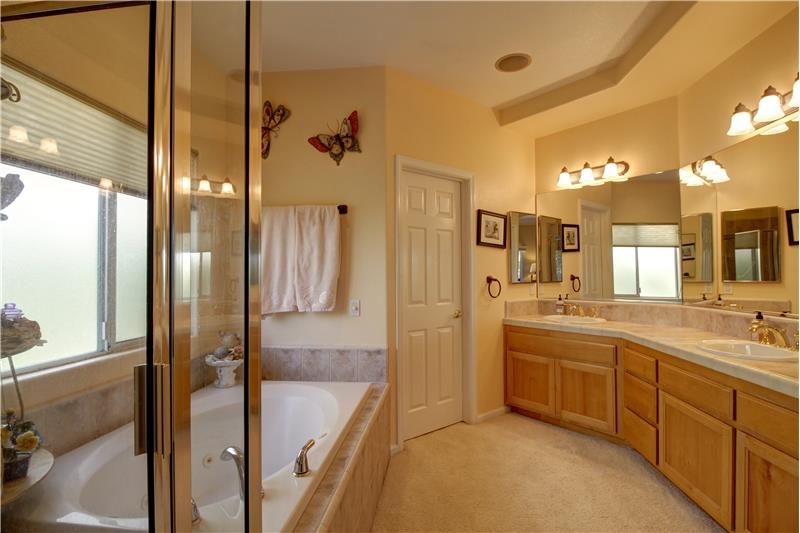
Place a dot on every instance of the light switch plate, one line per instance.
(727, 288)
(355, 307)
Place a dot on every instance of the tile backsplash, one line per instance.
(321, 363)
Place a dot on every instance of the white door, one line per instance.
(596, 251)
(429, 300)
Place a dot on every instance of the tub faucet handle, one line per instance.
(301, 462)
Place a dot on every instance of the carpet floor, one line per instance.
(513, 473)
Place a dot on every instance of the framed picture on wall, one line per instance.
(491, 229)
(792, 226)
(688, 251)
(570, 238)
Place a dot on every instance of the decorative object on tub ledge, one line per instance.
(10, 187)
(20, 441)
(609, 172)
(792, 229)
(19, 335)
(573, 278)
(338, 142)
(570, 238)
(489, 281)
(491, 229)
(226, 359)
(271, 121)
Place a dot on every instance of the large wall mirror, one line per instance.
(754, 264)
(628, 239)
(522, 247)
(550, 254)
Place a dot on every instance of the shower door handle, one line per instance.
(139, 409)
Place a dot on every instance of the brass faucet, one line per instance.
(768, 334)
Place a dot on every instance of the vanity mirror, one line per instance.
(755, 267)
(550, 265)
(697, 248)
(522, 249)
(630, 239)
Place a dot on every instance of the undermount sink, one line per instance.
(748, 350)
(568, 319)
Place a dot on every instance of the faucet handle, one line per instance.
(301, 462)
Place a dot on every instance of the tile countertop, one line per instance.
(780, 376)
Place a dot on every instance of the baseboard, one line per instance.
(483, 417)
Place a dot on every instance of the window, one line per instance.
(74, 260)
(646, 261)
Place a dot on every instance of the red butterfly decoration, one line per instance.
(343, 141)
(270, 123)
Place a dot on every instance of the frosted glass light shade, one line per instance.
(795, 100)
(741, 121)
(780, 128)
(186, 183)
(770, 107)
(49, 146)
(204, 185)
(18, 134)
(587, 176)
(720, 176)
(564, 179)
(610, 171)
(227, 187)
(709, 167)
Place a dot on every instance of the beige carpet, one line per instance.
(513, 473)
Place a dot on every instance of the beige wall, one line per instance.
(432, 124)
(645, 137)
(297, 174)
(705, 108)
(631, 201)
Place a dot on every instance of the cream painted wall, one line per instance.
(645, 137)
(631, 200)
(297, 174)
(432, 124)
(705, 108)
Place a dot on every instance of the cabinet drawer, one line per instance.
(575, 350)
(641, 398)
(640, 365)
(640, 435)
(772, 424)
(711, 397)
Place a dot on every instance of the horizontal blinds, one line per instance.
(645, 235)
(92, 144)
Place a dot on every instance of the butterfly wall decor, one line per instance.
(336, 144)
(271, 121)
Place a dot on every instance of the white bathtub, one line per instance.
(101, 485)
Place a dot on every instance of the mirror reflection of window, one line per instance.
(646, 261)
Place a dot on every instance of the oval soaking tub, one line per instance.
(100, 486)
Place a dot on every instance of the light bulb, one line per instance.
(610, 171)
(186, 183)
(18, 134)
(780, 128)
(741, 121)
(49, 146)
(564, 179)
(795, 100)
(709, 167)
(720, 175)
(770, 107)
(227, 187)
(204, 185)
(587, 176)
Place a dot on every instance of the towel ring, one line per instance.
(573, 278)
(489, 281)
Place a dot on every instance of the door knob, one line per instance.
(457, 313)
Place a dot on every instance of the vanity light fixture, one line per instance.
(689, 178)
(204, 185)
(587, 176)
(18, 134)
(706, 171)
(609, 172)
(780, 128)
(227, 187)
(770, 107)
(794, 101)
(564, 179)
(741, 121)
(49, 146)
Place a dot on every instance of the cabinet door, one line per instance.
(766, 487)
(530, 382)
(696, 453)
(585, 395)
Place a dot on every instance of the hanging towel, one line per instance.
(279, 251)
(318, 256)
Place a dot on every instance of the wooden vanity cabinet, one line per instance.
(531, 382)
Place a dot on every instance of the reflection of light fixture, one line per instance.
(18, 134)
(741, 121)
(49, 146)
(564, 179)
(795, 100)
(780, 128)
(689, 178)
(706, 171)
(611, 171)
(186, 183)
(587, 176)
(770, 107)
(204, 185)
(227, 187)
(105, 183)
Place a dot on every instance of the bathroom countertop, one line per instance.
(681, 342)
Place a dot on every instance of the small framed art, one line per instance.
(570, 238)
(491, 229)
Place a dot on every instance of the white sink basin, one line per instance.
(566, 319)
(748, 350)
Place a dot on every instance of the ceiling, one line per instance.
(455, 44)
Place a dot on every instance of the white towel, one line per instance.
(318, 257)
(278, 248)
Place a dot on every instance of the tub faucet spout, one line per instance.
(235, 454)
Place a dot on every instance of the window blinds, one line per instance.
(645, 235)
(92, 144)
